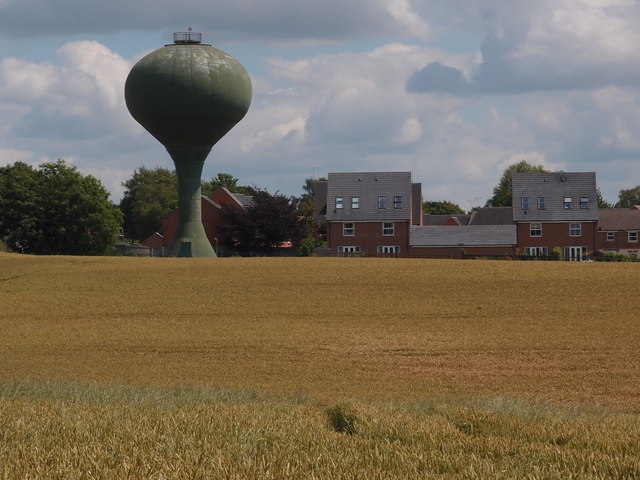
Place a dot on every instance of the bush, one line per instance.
(342, 418)
(617, 257)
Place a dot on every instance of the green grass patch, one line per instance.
(70, 430)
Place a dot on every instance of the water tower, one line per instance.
(188, 95)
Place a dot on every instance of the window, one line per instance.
(584, 203)
(382, 202)
(535, 229)
(388, 229)
(542, 204)
(524, 203)
(536, 251)
(339, 203)
(611, 236)
(567, 203)
(386, 249)
(355, 202)
(346, 250)
(633, 237)
(575, 254)
(575, 229)
(348, 229)
(397, 201)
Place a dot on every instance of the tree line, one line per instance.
(55, 209)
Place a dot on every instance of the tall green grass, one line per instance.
(91, 431)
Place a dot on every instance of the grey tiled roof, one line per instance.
(616, 219)
(492, 216)
(368, 186)
(463, 235)
(244, 200)
(554, 187)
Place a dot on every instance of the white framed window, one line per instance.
(397, 201)
(382, 201)
(348, 229)
(524, 203)
(388, 229)
(535, 229)
(339, 203)
(355, 202)
(388, 249)
(542, 203)
(536, 251)
(584, 203)
(633, 237)
(575, 254)
(346, 250)
(568, 203)
(611, 236)
(575, 229)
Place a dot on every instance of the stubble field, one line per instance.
(226, 368)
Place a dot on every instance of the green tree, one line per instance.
(502, 192)
(20, 209)
(266, 224)
(443, 207)
(602, 203)
(56, 210)
(227, 181)
(314, 231)
(629, 197)
(150, 195)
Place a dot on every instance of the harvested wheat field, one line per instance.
(449, 369)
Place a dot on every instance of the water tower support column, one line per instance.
(190, 239)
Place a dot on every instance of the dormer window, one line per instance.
(382, 202)
(397, 201)
(584, 203)
(339, 203)
(568, 204)
(524, 203)
(355, 202)
(542, 204)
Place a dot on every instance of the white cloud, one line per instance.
(80, 96)
(241, 19)
(570, 69)
(10, 156)
(548, 45)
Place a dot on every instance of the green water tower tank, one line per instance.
(188, 95)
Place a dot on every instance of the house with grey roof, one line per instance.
(370, 213)
(556, 211)
(379, 213)
(618, 230)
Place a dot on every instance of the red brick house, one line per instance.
(212, 218)
(370, 213)
(556, 210)
(618, 231)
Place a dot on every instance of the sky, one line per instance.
(453, 91)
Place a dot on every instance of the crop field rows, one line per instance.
(507, 366)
